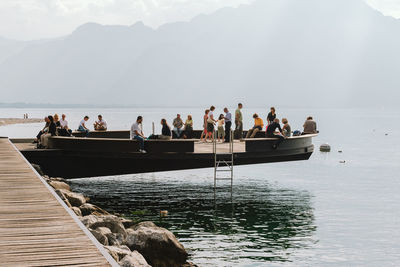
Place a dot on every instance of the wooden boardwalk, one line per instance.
(202, 147)
(36, 228)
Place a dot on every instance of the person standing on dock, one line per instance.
(228, 125)
(220, 129)
(178, 125)
(239, 122)
(210, 123)
(137, 133)
(204, 134)
(271, 116)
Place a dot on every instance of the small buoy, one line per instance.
(342, 161)
(325, 148)
(387, 134)
(163, 213)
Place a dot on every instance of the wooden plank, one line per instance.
(35, 229)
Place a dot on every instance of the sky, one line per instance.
(41, 19)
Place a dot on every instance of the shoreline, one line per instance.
(10, 121)
(130, 243)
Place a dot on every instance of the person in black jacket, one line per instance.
(165, 131)
(43, 131)
(271, 116)
(271, 133)
(44, 139)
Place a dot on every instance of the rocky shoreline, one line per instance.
(131, 244)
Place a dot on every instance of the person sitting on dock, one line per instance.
(64, 130)
(82, 127)
(204, 133)
(228, 125)
(165, 131)
(271, 133)
(43, 131)
(287, 131)
(44, 139)
(258, 125)
(188, 130)
(271, 116)
(310, 126)
(137, 133)
(178, 124)
(100, 125)
(57, 121)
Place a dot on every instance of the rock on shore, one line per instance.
(158, 245)
(131, 245)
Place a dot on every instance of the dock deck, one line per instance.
(112, 153)
(201, 147)
(36, 229)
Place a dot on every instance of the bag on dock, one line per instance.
(153, 137)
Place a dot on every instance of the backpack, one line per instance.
(296, 133)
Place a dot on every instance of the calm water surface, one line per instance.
(319, 212)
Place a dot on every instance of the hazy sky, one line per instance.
(35, 19)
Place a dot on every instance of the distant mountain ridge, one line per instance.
(307, 52)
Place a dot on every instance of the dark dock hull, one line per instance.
(78, 164)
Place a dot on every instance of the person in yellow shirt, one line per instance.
(258, 125)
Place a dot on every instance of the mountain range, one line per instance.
(271, 52)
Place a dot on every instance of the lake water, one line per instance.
(319, 212)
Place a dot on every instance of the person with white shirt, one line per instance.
(137, 133)
(100, 125)
(82, 126)
(228, 125)
(210, 123)
(64, 130)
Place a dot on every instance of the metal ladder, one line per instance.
(223, 162)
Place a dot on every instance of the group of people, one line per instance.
(59, 127)
(209, 122)
(54, 126)
(273, 128)
(99, 125)
(180, 129)
(223, 123)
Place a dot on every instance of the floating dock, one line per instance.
(113, 153)
(36, 227)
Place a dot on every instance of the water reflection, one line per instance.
(262, 223)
